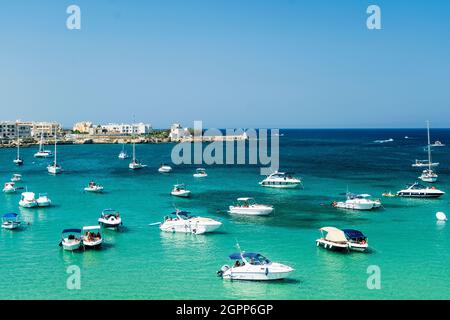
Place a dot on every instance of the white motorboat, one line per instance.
(10, 221)
(71, 239)
(9, 187)
(200, 173)
(358, 202)
(179, 190)
(428, 175)
(54, 168)
(94, 187)
(416, 190)
(248, 206)
(186, 223)
(16, 177)
(281, 180)
(165, 169)
(18, 161)
(42, 153)
(253, 266)
(28, 200)
(123, 154)
(342, 240)
(92, 237)
(438, 144)
(43, 200)
(424, 163)
(333, 239)
(110, 218)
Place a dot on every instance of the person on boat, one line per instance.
(237, 264)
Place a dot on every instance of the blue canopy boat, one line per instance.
(10, 221)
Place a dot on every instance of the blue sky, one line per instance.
(248, 63)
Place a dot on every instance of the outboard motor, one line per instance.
(222, 270)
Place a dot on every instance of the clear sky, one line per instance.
(247, 63)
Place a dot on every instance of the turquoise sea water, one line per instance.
(410, 247)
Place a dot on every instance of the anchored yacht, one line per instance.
(248, 206)
(186, 223)
(417, 190)
(281, 180)
(42, 153)
(358, 202)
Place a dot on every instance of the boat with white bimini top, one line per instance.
(428, 175)
(54, 168)
(248, 206)
(438, 144)
(333, 239)
(417, 190)
(28, 200)
(16, 177)
(9, 187)
(110, 218)
(253, 266)
(71, 239)
(165, 168)
(92, 237)
(42, 153)
(358, 202)
(200, 173)
(94, 187)
(179, 190)
(186, 223)
(123, 154)
(43, 200)
(18, 161)
(281, 180)
(10, 221)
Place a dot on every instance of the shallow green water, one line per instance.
(410, 247)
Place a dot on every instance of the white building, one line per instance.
(83, 127)
(7, 130)
(177, 132)
(137, 128)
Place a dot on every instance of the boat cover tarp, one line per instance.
(71, 231)
(353, 234)
(237, 255)
(10, 216)
(334, 234)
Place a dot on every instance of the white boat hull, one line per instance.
(92, 244)
(10, 225)
(280, 185)
(186, 226)
(110, 223)
(94, 190)
(258, 273)
(54, 170)
(182, 194)
(252, 210)
(70, 245)
(9, 190)
(355, 206)
(195, 175)
(27, 204)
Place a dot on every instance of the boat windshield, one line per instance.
(259, 260)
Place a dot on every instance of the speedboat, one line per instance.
(357, 241)
(438, 144)
(281, 180)
(248, 206)
(416, 190)
(28, 200)
(253, 266)
(92, 238)
(16, 177)
(9, 187)
(71, 239)
(94, 187)
(43, 200)
(10, 221)
(165, 168)
(428, 175)
(179, 190)
(333, 239)
(110, 218)
(186, 223)
(42, 153)
(358, 202)
(200, 173)
(424, 163)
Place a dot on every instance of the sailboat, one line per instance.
(428, 175)
(135, 164)
(54, 168)
(18, 161)
(42, 153)
(123, 154)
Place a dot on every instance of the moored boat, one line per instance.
(281, 180)
(10, 221)
(28, 200)
(179, 190)
(110, 218)
(248, 206)
(71, 239)
(92, 237)
(184, 222)
(417, 190)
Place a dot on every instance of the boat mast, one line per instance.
(55, 147)
(429, 145)
(134, 142)
(18, 147)
(42, 140)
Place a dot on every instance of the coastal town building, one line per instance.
(137, 128)
(7, 130)
(178, 133)
(47, 129)
(83, 127)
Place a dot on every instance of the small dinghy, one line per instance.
(94, 187)
(10, 221)
(200, 173)
(9, 187)
(16, 177)
(165, 168)
(28, 200)
(43, 200)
